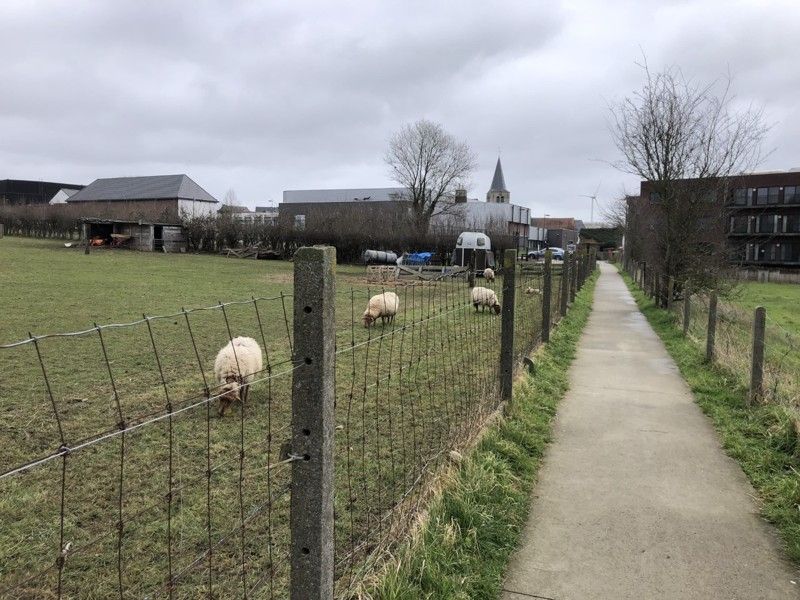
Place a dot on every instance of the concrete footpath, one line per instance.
(636, 499)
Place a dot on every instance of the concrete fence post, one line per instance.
(757, 366)
(313, 394)
(670, 292)
(711, 332)
(507, 326)
(687, 308)
(565, 275)
(547, 294)
(574, 268)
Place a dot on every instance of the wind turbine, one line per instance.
(594, 198)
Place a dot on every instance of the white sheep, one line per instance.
(383, 305)
(531, 291)
(488, 274)
(235, 367)
(485, 297)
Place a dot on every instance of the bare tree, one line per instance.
(430, 163)
(686, 141)
(229, 198)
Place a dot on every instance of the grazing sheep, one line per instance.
(485, 297)
(383, 305)
(531, 291)
(488, 274)
(235, 367)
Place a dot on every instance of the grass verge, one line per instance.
(761, 438)
(472, 528)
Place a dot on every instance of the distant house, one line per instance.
(142, 213)
(16, 192)
(560, 231)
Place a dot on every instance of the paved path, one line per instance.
(636, 499)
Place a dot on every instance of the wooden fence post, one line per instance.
(2, 230)
(547, 293)
(687, 308)
(757, 366)
(313, 395)
(711, 333)
(643, 285)
(86, 238)
(574, 268)
(565, 275)
(507, 326)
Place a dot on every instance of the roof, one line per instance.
(498, 181)
(344, 195)
(154, 187)
(555, 223)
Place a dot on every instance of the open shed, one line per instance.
(135, 235)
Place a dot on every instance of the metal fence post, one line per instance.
(507, 327)
(757, 366)
(687, 308)
(547, 292)
(712, 326)
(313, 395)
(565, 275)
(573, 273)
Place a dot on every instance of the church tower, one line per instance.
(498, 193)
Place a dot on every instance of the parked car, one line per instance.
(558, 253)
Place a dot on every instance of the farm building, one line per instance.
(19, 192)
(135, 235)
(155, 199)
(141, 213)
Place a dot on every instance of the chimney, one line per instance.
(461, 196)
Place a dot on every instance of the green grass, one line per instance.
(761, 438)
(405, 394)
(464, 546)
(780, 299)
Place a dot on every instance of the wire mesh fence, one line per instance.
(118, 477)
(731, 331)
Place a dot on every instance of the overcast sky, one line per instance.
(267, 96)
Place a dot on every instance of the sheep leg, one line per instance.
(224, 403)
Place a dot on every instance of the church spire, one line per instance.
(498, 181)
(498, 192)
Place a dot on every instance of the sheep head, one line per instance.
(368, 319)
(228, 394)
(496, 309)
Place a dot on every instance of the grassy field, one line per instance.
(780, 299)
(761, 438)
(143, 506)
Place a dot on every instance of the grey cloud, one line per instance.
(270, 96)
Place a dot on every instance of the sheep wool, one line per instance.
(235, 367)
(484, 297)
(488, 274)
(383, 306)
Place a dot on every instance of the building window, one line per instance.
(761, 196)
(740, 196)
(774, 194)
(299, 222)
(765, 224)
(791, 194)
(655, 197)
(791, 223)
(739, 224)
